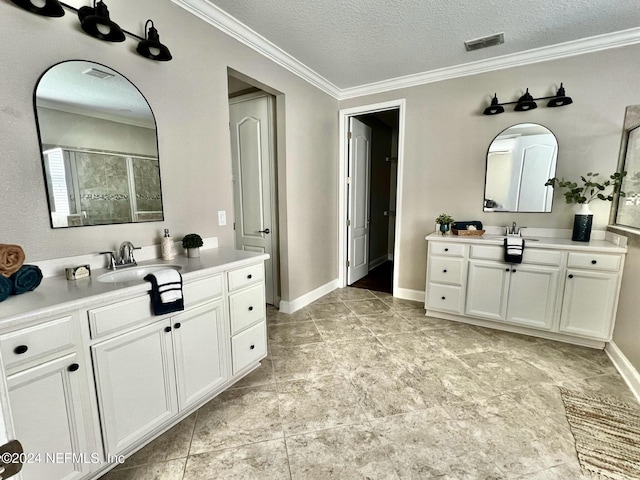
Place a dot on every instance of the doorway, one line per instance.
(370, 171)
(252, 125)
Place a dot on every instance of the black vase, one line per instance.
(582, 223)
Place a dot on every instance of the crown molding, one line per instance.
(226, 23)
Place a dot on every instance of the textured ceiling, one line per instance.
(357, 42)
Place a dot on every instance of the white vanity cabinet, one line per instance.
(144, 377)
(561, 290)
(50, 401)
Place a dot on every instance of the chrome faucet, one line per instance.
(126, 255)
(513, 230)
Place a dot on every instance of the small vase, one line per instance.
(582, 223)
(444, 228)
(193, 252)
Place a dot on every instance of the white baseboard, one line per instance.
(627, 371)
(408, 294)
(378, 261)
(307, 298)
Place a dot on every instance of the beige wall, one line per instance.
(189, 98)
(627, 331)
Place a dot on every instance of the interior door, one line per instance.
(251, 120)
(358, 210)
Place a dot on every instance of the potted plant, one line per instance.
(590, 189)
(445, 222)
(192, 243)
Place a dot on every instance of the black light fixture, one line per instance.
(526, 102)
(151, 47)
(96, 22)
(561, 99)
(495, 108)
(51, 8)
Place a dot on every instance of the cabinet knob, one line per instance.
(570, 276)
(177, 325)
(514, 270)
(593, 262)
(446, 249)
(252, 347)
(444, 298)
(249, 276)
(507, 269)
(20, 349)
(73, 367)
(251, 309)
(444, 271)
(167, 329)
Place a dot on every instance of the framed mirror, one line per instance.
(519, 162)
(99, 147)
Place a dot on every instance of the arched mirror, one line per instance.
(519, 162)
(99, 147)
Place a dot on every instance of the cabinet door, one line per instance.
(200, 351)
(589, 301)
(135, 382)
(532, 296)
(48, 408)
(487, 289)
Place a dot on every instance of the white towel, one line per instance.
(514, 245)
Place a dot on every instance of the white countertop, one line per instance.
(57, 294)
(556, 243)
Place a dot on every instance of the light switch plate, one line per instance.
(222, 218)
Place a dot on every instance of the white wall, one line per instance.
(189, 98)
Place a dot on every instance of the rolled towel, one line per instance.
(11, 259)
(26, 279)
(6, 286)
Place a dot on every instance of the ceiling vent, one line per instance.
(484, 42)
(94, 72)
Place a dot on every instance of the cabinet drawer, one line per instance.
(446, 270)
(598, 261)
(37, 341)
(245, 276)
(128, 313)
(444, 297)
(246, 308)
(530, 255)
(448, 249)
(249, 346)
(202, 290)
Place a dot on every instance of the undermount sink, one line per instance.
(131, 274)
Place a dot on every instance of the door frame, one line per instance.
(343, 170)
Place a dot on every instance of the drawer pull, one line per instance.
(593, 262)
(252, 347)
(446, 249)
(444, 271)
(73, 367)
(167, 329)
(20, 349)
(177, 325)
(249, 276)
(251, 309)
(570, 276)
(444, 298)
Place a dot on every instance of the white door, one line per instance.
(251, 121)
(358, 194)
(487, 290)
(532, 295)
(199, 351)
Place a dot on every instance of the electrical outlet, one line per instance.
(222, 218)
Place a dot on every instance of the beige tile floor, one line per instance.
(361, 385)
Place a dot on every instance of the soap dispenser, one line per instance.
(168, 252)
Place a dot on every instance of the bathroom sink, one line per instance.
(502, 237)
(133, 273)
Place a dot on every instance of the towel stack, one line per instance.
(513, 249)
(166, 291)
(15, 277)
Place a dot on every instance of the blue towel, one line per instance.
(6, 286)
(26, 279)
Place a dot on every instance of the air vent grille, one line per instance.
(484, 42)
(94, 72)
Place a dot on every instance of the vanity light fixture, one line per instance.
(96, 22)
(51, 8)
(526, 102)
(151, 47)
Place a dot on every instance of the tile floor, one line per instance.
(361, 385)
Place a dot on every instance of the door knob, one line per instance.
(266, 230)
